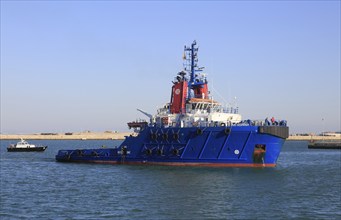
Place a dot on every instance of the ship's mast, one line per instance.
(191, 64)
(184, 88)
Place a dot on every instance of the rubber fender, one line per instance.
(149, 151)
(175, 152)
(79, 152)
(175, 136)
(159, 152)
(227, 131)
(153, 136)
(124, 151)
(199, 131)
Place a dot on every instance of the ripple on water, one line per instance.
(305, 184)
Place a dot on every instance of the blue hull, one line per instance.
(241, 146)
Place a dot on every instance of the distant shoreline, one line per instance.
(313, 138)
(68, 136)
(119, 136)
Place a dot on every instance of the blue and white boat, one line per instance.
(192, 130)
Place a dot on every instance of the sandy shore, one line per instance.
(73, 136)
(314, 138)
(118, 136)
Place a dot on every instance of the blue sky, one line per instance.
(87, 65)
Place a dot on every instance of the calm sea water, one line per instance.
(306, 184)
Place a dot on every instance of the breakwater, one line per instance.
(326, 144)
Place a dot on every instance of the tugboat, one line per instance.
(192, 130)
(24, 146)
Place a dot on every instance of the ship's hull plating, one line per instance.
(236, 146)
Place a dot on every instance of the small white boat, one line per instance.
(24, 146)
